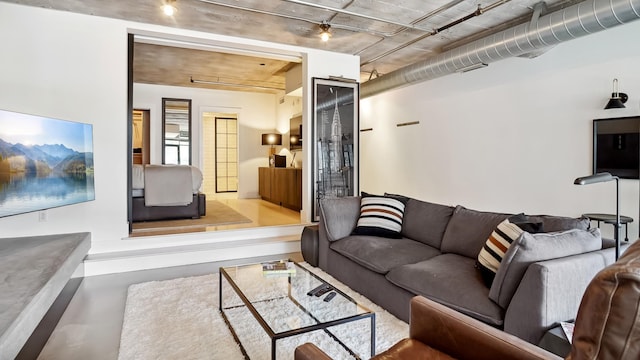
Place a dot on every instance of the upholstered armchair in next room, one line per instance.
(607, 326)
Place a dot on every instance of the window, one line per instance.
(226, 154)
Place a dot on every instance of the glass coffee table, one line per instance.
(282, 307)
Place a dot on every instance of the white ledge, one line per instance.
(33, 272)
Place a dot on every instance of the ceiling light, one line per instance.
(169, 8)
(617, 98)
(325, 34)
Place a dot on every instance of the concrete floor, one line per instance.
(90, 327)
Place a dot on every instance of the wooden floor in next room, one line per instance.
(259, 212)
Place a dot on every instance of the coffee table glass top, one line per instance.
(281, 300)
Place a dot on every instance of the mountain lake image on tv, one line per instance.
(44, 163)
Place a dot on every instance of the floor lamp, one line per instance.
(606, 177)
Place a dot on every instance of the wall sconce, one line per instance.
(272, 139)
(617, 98)
(325, 35)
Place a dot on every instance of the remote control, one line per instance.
(324, 290)
(330, 296)
(316, 289)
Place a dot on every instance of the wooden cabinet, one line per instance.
(282, 186)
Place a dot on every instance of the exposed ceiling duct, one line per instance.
(570, 23)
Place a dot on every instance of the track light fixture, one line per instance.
(617, 98)
(169, 7)
(325, 34)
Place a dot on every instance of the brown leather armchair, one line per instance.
(607, 326)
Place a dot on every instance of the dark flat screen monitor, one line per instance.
(44, 163)
(616, 146)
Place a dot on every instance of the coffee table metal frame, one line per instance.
(319, 326)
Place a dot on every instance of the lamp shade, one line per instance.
(617, 98)
(617, 101)
(271, 139)
(595, 178)
(606, 177)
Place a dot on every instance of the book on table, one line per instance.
(278, 267)
(567, 328)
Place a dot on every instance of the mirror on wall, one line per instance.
(176, 131)
(295, 133)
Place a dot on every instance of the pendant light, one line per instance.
(325, 35)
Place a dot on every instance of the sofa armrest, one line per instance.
(550, 292)
(463, 337)
(339, 216)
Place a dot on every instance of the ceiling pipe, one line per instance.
(347, 12)
(478, 12)
(575, 21)
(311, 21)
(222, 83)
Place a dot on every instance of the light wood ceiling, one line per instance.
(165, 65)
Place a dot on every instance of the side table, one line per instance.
(611, 219)
(555, 341)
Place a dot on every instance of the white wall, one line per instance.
(256, 115)
(74, 67)
(511, 137)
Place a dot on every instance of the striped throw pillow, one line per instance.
(380, 216)
(498, 243)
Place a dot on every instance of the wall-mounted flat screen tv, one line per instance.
(616, 146)
(44, 163)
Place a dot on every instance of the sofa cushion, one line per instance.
(398, 197)
(426, 222)
(551, 223)
(499, 242)
(451, 280)
(380, 216)
(382, 254)
(468, 230)
(530, 248)
(338, 217)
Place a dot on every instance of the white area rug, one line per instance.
(179, 319)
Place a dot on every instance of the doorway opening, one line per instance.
(220, 155)
(210, 141)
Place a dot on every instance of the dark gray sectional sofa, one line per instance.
(436, 257)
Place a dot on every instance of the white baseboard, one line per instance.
(135, 260)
